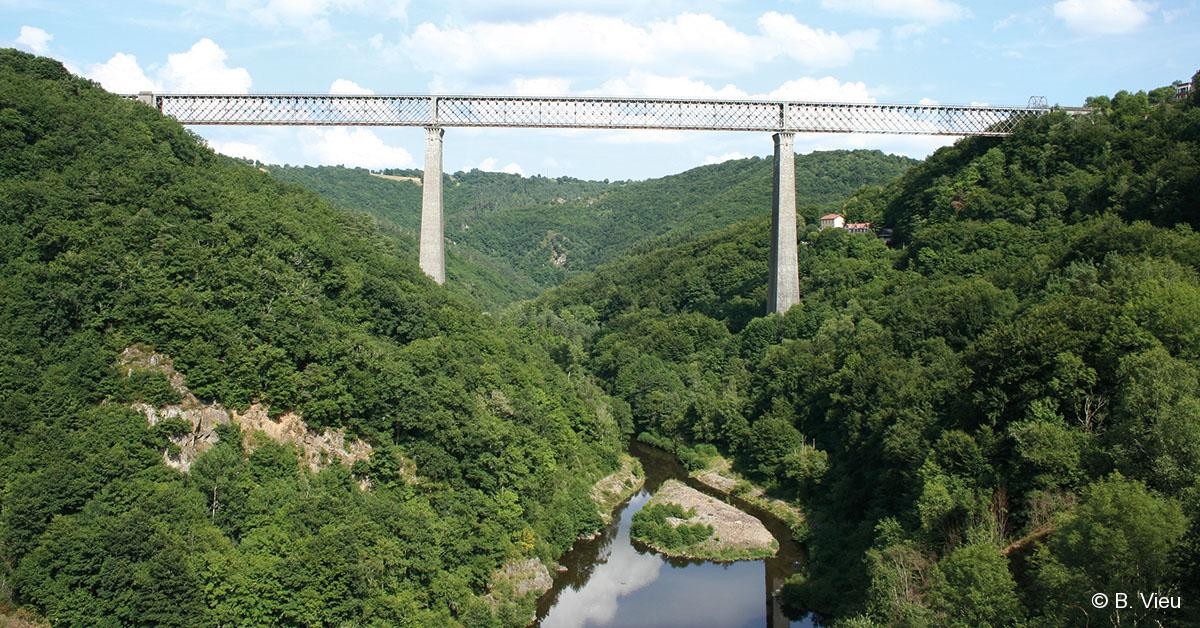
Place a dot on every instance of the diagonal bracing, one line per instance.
(590, 113)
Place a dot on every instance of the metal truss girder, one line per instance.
(590, 113)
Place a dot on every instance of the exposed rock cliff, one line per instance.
(317, 449)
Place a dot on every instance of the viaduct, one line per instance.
(782, 119)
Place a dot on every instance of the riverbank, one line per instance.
(618, 486)
(735, 535)
(720, 476)
(610, 580)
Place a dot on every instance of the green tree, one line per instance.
(1120, 538)
(972, 586)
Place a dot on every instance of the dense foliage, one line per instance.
(118, 227)
(544, 230)
(650, 525)
(985, 425)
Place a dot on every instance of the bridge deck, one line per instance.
(590, 113)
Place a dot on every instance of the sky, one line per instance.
(941, 51)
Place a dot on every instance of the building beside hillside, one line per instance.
(1183, 90)
(838, 221)
(833, 221)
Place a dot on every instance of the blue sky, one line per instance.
(944, 51)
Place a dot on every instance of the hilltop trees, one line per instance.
(1121, 537)
(969, 419)
(982, 425)
(120, 228)
(538, 231)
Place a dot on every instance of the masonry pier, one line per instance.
(433, 255)
(784, 289)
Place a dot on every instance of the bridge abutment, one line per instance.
(784, 289)
(433, 255)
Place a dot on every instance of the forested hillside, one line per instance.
(548, 229)
(120, 230)
(985, 426)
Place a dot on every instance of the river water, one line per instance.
(613, 581)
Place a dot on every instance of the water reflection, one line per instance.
(618, 571)
(611, 581)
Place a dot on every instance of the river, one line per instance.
(613, 581)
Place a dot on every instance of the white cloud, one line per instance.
(915, 146)
(577, 44)
(645, 84)
(202, 69)
(312, 16)
(1170, 15)
(723, 157)
(812, 46)
(244, 150)
(697, 41)
(353, 147)
(822, 89)
(490, 165)
(1009, 20)
(910, 30)
(1102, 17)
(541, 86)
(625, 570)
(639, 83)
(927, 101)
(345, 86)
(122, 75)
(35, 39)
(925, 11)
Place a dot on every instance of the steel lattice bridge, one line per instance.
(436, 112)
(590, 113)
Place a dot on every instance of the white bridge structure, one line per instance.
(783, 119)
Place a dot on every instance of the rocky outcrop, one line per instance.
(317, 449)
(520, 577)
(556, 244)
(618, 486)
(516, 580)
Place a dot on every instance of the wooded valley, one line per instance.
(983, 423)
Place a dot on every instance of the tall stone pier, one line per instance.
(433, 255)
(784, 289)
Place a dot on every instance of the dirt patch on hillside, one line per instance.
(395, 177)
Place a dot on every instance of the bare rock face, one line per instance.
(317, 449)
(516, 579)
(556, 244)
(527, 576)
(204, 421)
